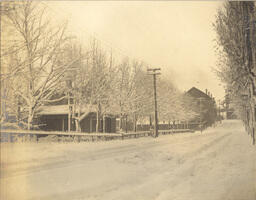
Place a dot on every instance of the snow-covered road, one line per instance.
(218, 164)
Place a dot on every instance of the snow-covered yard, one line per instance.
(218, 164)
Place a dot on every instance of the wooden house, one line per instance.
(205, 105)
(55, 118)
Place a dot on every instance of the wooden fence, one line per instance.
(32, 135)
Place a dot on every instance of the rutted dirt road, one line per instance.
(219, 163)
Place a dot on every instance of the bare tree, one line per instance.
(101, 81)
(173, 105)
(77, 79)
(133, 92)
(142, 101)
(235, 27)
(37, 47)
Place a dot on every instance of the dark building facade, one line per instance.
(205, 106)
(55, 118)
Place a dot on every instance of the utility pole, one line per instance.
(219, 111)
(154, 72)
(69, 113)
(200, 117)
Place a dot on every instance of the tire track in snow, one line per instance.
(85, 194)
(151, 183)
(101, 154)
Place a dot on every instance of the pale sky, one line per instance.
(175, 36)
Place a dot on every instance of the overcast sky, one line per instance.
(176, 36)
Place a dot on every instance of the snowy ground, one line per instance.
(219, 164)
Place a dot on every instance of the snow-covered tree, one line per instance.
(132, 91)
(36, 46)
(236, 44)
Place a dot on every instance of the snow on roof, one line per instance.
(63, 109)
(195, 92)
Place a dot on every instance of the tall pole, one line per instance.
(155, 99)
(69, 113)
(200, 123)
(154, 73)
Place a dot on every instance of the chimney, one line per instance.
(206, 91)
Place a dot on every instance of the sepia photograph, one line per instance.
(127, 100)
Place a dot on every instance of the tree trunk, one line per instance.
(18, 110)
(248, 121)
(30, 117)
(91, 130)
(150, 121)
(120, 123)
(98, 118)
(3, 103)
(252, 113)
(78, 127)
(104, 124)
(126, 130)
(253, 51)
(97, 122)
(134, 122)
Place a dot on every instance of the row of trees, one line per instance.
(236, 45)
(42, 64)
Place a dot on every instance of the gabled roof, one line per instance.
(53, 110)
(196, 93)
(63, 109)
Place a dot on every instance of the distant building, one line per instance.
(229, 107)
(205, 106)
(196, 93)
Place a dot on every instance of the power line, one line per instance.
(97, 37)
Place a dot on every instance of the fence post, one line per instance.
(8, 137)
